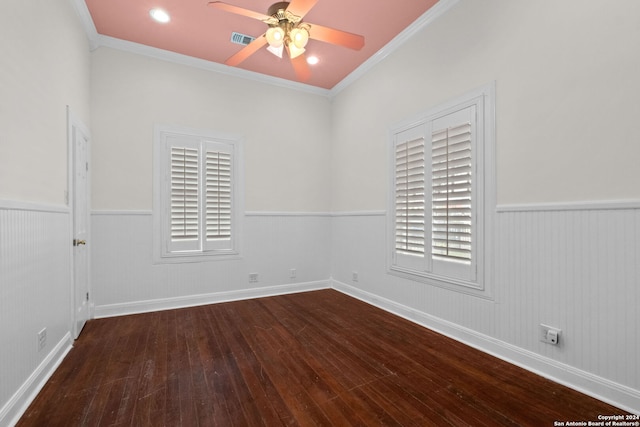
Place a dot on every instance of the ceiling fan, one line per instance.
(288, 31)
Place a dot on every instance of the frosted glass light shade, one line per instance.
(295, 51)
(299, 37)
(275, 37)
(277, 51)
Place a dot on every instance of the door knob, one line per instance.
(77, 242)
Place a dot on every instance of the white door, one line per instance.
(80, 208)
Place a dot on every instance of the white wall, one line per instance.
(286, 151)
(567, 90)
(565, 253)
(44, 67)
(44, 64)
(286, 133)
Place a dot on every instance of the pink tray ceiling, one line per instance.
(203, 32)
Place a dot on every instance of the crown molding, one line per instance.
(97, 40)
(87, 22)
(418, 25)
(177, 58)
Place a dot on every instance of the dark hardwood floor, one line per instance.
(315, 358)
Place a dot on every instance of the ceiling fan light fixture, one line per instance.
(295, 51)
(275, 37)
(277, 51)
(299, 37)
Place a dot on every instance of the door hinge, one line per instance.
(87, 166)
(87, 296)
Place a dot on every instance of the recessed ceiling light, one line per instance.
(312, 60)
(160, 15)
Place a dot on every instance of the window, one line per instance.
(442, 183)
(197, 197)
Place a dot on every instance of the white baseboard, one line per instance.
(20, 401)
(618, 395)
(111, 310)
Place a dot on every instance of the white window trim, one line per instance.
(161, 253)
(485, 193)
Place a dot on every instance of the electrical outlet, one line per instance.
(354, 276)
(253, 277)
(549, 334)
(292, 273)
(42, 339)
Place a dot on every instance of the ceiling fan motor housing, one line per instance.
(277, 10)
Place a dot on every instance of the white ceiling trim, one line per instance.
(418, 25)
(97, 40)
(87, 23)
(165, 55)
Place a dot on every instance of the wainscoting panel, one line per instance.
(126, 280)
(35, 293)
(574, 269)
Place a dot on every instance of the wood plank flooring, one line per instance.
(316, 358)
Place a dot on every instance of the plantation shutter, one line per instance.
(438, 212)
(184, 218)
(196, 205)
(409, 192)
(218, 205)
(200, 208)
(410, 197)
(451, 192)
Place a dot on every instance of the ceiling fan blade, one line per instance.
(246, 51)
(333, 36)
(238, 10)
(301, 7)
(301, 68)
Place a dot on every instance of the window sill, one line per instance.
(469, 288)
(185, 257)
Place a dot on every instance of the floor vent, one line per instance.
(241, 38)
